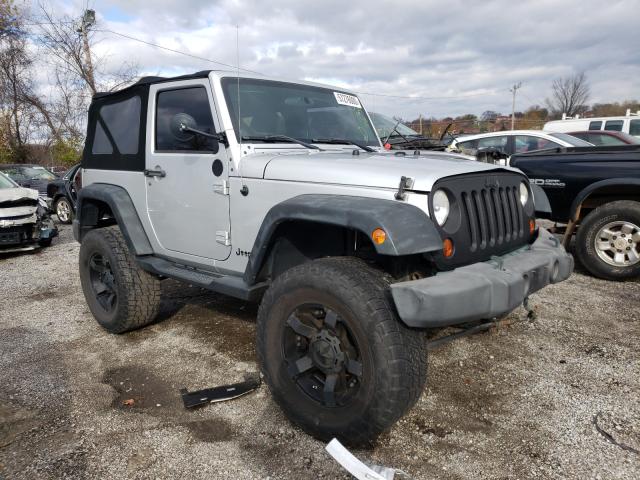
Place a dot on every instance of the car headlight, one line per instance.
(524, 193)
(441, 206)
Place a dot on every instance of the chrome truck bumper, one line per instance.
(483, 290)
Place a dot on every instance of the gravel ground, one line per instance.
(528, 400)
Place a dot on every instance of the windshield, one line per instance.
(384, 126)
(306, 113)
(575, 141)
(22, 172)
(6, 182)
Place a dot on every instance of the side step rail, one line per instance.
(225, 284)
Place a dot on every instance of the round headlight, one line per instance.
(524, 193)
(440, 206)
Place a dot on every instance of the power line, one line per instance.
(417, 97)
(235, 67)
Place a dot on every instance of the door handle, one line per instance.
(158, 172)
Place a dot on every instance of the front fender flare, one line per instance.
(409, 230)
(540, 199)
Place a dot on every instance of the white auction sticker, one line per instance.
(348, 100)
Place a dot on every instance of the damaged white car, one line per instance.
(25, 223)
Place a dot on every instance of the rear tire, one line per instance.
(608, 241)
(352, 340)
(120, 295)
(63, 210)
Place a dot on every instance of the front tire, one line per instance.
(608, 241)
(120, 295)
(333, 352)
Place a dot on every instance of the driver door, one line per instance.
(186, 175)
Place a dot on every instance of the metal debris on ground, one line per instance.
(609, 437)
(359, 469)
(220, 394)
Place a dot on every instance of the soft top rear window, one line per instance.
(115, 133)
(118, 127)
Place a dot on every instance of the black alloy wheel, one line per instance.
(322, 355)
(103, 282)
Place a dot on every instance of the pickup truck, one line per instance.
(595, 192)
(280, 192)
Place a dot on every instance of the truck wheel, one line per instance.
(120, 295)
(608, 240)
(333, 352)
(63, 210)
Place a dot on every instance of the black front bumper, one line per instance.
(482, 290)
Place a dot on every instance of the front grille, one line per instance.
(486, 217)
(494, 216)
(15, 235)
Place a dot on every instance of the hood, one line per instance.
(378, 170)
(15, 202)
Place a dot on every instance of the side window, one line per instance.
(614, 125)
(118, 128)
(582, 135)
(468, 147)
(634, 128)
(607, 140)
(496, 142)
(529, 143)
(192, 102)
(595, 125)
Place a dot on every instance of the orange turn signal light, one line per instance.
(532, 226)
(447, 247)
(378, 236)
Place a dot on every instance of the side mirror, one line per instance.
(490, 155)
(183, 128)
(181, 125)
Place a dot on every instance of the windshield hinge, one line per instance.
(223, 237)
(406, 183)
(222, 188)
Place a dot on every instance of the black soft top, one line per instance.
(150, 80)
(116, 126)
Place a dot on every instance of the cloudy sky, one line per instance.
(457, 56)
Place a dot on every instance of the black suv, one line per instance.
(63, 192)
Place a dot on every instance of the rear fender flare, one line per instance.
(123, 211)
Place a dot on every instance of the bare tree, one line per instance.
(62, 39)
(76, 72)
(8, 19)
(18, 118)
(569, 95)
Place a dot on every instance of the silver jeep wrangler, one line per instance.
(280, 192)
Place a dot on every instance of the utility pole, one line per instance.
(513, 104)
(87, 20)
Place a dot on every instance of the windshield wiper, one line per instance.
(340, 141)
(278, 138)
